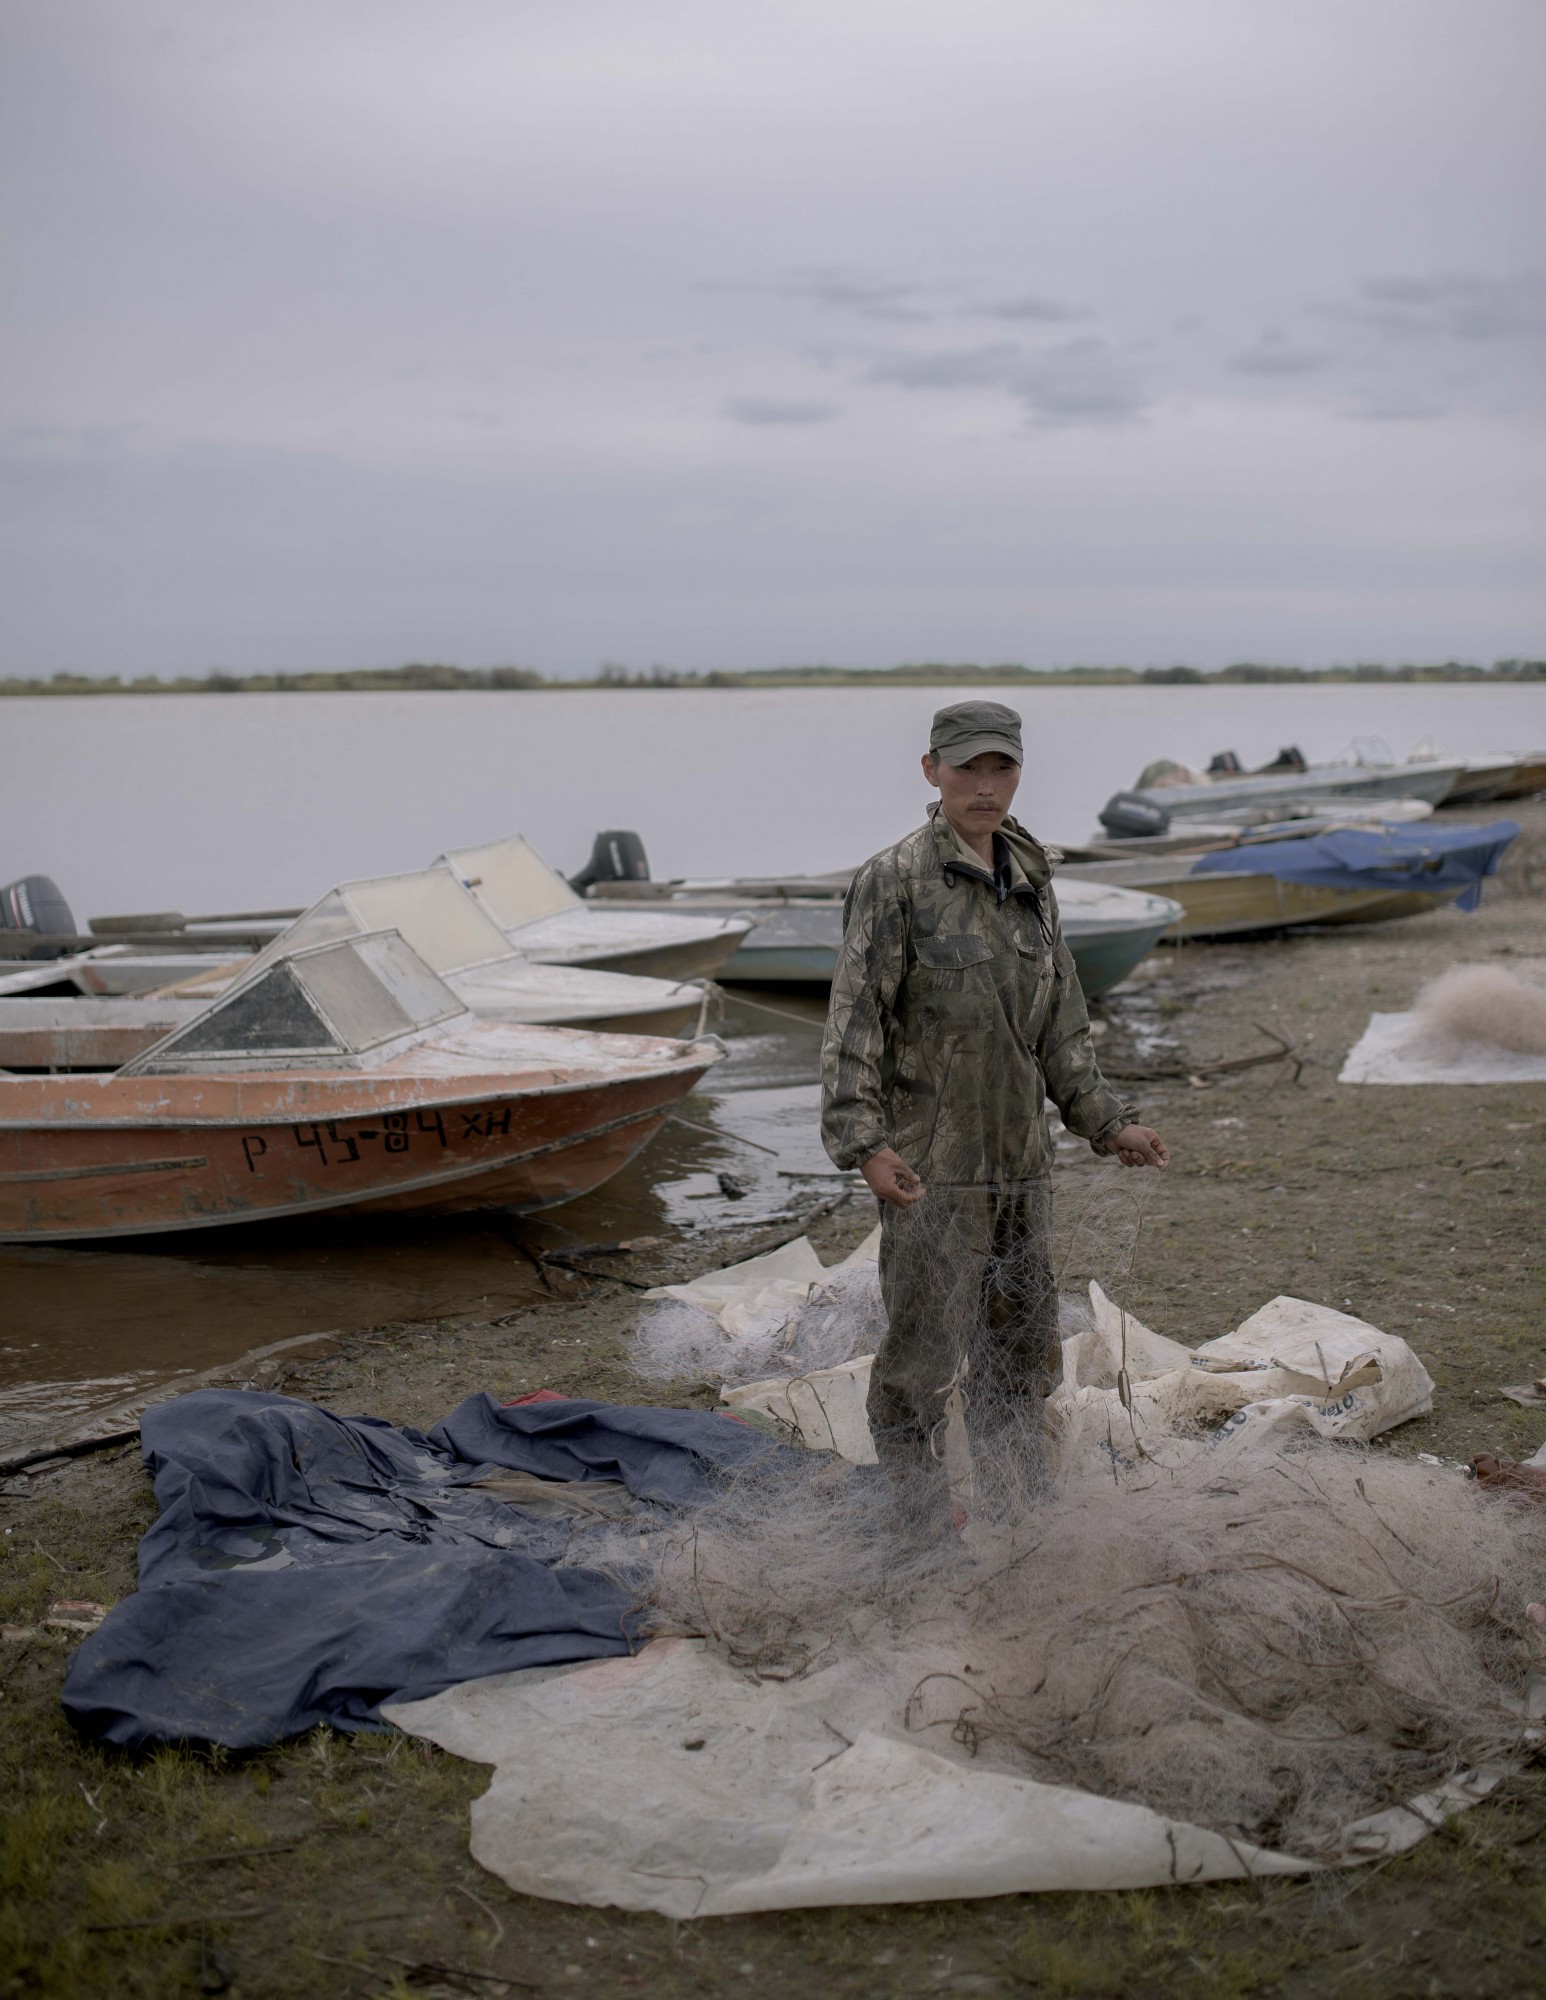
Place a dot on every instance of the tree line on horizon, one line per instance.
(422, 677)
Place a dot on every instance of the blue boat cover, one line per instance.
(305, 1568)
(1398, 858)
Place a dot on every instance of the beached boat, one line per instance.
(1198, 836)
(453, 932)
(1167, 791)
(799, 926)
(1526, 779)
(540, 914)
(433, 912)
(344, 1078)
(1503, 775)
(545, 919)
(1354, 875)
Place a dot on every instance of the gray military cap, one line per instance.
(967, 728)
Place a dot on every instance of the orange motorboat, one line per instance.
(344, 1078)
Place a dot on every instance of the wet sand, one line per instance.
(1417, 1208)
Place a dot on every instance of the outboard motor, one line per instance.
(615, 857)
(1126, 816)
(1290, 758)
(35, 904)
(1224, 764)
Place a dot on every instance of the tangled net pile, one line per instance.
(1269, 1640)
(1483, 1003)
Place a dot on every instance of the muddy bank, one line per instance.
(1417, 1208)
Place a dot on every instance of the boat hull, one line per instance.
(1278, 793)
(1526, 779)
(103, 1157)
(796, 944)
(1406, 903)
(1104, 960)
(1227, 905)
(695, 958)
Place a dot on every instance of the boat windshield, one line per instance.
(436, 916)
(1372, 750)
(343, 1005)
(511, 881)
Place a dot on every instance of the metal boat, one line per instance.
(1271, 793)
(343, 1078)
(438, 917)
(1352, 875)
(799, 926)
(545, 919)
(1502, 775)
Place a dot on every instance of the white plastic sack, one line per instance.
(824, 1408)
(671, 1782)
(1293, 1364)
(764, 1293)
(1396, 1048)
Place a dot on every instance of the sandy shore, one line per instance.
(1418, 1208)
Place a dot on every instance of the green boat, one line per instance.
(799, 926)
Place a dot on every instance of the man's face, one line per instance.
(977, 795)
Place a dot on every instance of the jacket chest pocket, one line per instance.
(1033, 982)
(952, 984)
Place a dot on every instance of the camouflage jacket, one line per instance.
(955, 1015)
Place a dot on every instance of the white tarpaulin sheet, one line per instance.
(1399, 1048)
(671, 1782)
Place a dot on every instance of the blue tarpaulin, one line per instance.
(1428, 860)
(305, 1567)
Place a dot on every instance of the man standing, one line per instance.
(956, 1013)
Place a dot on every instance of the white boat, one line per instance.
(435, 915)
(545, 919)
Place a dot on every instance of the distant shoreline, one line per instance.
(423, 679)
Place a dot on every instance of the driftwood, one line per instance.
(1182, 1072)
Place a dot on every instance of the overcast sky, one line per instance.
(348, 332)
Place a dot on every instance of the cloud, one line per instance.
(968, 368)
(1072, 382)
(858, 292)
(863, 293)
(778, 410)
(1461, 305)
(1272, 355)
(1031, 306)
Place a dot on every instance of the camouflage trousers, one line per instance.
(972, 1312)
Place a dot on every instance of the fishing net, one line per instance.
(1483, 1003)
(1256, 1631)
(798, 1326)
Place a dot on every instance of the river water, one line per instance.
(206, 803)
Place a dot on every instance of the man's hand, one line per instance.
(892, 1180)
(1139, 1146)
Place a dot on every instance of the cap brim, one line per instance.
(963, 753)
